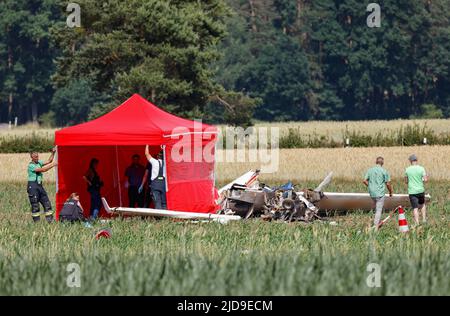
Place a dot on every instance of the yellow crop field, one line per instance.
(347, 163)
(14, 167)
(296, 164)
(335, 129)
(25, 130)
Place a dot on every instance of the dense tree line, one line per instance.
(225, 60)
(318, 59)
(26, 58)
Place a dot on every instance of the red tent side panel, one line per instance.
(191, 181)
(73, 162)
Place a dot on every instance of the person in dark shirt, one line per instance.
(147, 188)
(72, 210)
(94, 182)
(135, 175)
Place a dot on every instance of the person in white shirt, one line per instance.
(158, 179)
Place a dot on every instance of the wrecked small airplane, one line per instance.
(246, 198)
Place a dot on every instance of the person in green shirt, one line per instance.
(415, 177)
(377, 179)
(35, 190)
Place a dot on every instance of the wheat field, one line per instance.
(297, 165)
(346, 163)
(25, 130)
(335, 129)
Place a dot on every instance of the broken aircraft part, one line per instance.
(287, 204)
(362, 201)
(166, 213)
(246, 198)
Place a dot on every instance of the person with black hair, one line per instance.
(135, 175)
(94, 182)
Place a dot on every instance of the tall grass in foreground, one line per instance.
(247, 258)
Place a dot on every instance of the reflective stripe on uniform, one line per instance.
(48, 213)
(36, 214)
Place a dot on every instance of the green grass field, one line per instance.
(248, 258)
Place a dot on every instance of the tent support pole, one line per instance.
(118, 177)
(165, 167)
(56, 173)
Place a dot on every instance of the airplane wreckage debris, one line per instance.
(246, 198)
(283, 203)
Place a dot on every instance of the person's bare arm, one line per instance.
(87, 180)
(147, 153)
(46, 167)
(52, 156)
(406, 180)
(389, 187)
(425, 178)
(366, 182)
(144, 179)
(81, 207)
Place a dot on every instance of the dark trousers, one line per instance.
(36, 195)
(148, 197)
(159, 197)
(134, 197)
(70, 219)
(96, 202)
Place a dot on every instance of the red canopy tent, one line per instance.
(188, 148)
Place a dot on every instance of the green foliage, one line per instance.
(336, 67)
(275, 70)
(73, 103)
(409, 135)
(429, 111)
(304, 60)
(25, 144)
(47, 120)
(100, 109)
(159, 49)
(295, 139)
(26, 57)
(233, 108)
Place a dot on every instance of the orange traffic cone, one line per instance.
(402, 223)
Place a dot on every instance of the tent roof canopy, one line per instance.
(135, 122)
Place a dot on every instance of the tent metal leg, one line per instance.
(118, 177)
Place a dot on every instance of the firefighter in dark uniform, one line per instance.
(158, 179)
(72, 210)
(35, 190)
